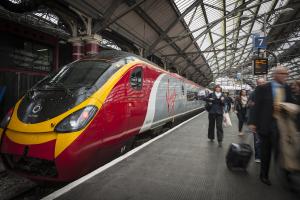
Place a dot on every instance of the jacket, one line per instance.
(262, 115)
(217, 105)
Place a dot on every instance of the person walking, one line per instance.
(227, 102)
(215, 114)
(296, 95)
(241, 109)
(257, 154)
(263, 121)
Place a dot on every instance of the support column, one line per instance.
(77, 51)
(92, 44)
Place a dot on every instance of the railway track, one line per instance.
(13, 187)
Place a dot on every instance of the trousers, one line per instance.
(215, 120)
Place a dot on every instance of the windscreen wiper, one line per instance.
(68, 91)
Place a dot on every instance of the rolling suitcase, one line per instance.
(238, 156)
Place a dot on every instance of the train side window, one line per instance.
(136, 78)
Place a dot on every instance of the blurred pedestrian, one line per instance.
(215, 114)
(296, 96)
(295, 86)
(227, 102)
(263, 121)
(241, 109)
(251, 103)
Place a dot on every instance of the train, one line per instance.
(79, 117)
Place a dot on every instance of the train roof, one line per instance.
(113, 55)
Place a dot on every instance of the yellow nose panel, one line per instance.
(64, 140)
(29, 138)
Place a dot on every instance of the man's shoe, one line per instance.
(265, 181)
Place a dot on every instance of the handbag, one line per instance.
(226, 120)
(208, 106)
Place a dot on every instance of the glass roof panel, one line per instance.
(200, 40)
(206, 43)
(188, 17)
(230, 5)
(238, 28)
(265, 7)
(183, 4)
(216, 31)
(213, 14)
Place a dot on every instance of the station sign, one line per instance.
(260, 42)
(260, 66)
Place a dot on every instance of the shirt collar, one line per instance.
(276, 84)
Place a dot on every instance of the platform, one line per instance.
(183, 164)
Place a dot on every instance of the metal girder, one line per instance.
(237, 35)
(187, 66)
(284, 35)
(164, 33)
(125, 12)
(240, 27)
(155, 27)
(106, 16)
(196, 52)
(250, 30)
(21, 7)
(209, 32)
(224, 30)
(217, 8)
(193, 15)
(212, 24)
(209, 26)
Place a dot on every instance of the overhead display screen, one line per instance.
(260, 66)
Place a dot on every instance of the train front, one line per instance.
(50, 133)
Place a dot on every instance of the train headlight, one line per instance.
(77, 120)
(6, 118)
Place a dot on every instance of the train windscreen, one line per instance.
(78, 74)
(66, 88)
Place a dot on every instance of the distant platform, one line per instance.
(181, 164)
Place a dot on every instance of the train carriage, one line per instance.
(78, 118)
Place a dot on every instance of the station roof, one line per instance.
(201, 39)
(224, 32)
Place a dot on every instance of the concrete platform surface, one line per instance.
(183, 164)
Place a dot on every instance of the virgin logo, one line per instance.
(170, 97)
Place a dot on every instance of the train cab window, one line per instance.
(78, 74)
(136, 79)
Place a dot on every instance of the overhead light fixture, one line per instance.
(62, 42)
(286, 10)
(42, 50)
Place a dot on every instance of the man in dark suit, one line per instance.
(263, 120)
(259, 81)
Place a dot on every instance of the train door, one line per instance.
(136, 99)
